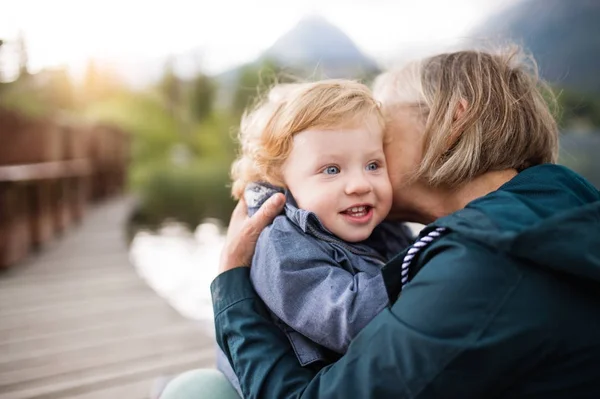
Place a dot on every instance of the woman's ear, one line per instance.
(458, 128)
(460, 109)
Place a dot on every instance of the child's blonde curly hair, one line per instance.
(267, 129)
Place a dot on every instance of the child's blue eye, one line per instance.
(331, 170)
(372, 166)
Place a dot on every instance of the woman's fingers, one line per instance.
(264, 216)
(244, 232)
(238, 217)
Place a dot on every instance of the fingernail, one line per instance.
(278, 200)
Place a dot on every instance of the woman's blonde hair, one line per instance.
(482, 111)
(267, 129)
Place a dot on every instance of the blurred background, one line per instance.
(175, 76)
(118, 118)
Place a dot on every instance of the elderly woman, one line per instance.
(498, 296)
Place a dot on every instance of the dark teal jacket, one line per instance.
(506, 304)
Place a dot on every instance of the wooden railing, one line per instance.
(49, 171)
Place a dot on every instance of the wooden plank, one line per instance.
(62, 341)
(72, 312)
(54, 276)
(11, 289)
(50, 325)
(117, 374)
(104, 290)
(38, 370)
(45, 170)
(140, 389)
(77, 321)
(118, 340)
(60, 297)
(102, 328)
(64, 298)
(51, 265)
(90, 302)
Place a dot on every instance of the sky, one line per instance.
(221, 34)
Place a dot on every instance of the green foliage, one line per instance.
(179, 176)
(25, 101)
(170, 88)
(188, 194)
(153, 129)
(49, 92)
(578, 109)
(213, 137)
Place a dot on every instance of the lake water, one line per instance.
(179, 265)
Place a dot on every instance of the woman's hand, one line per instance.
(243, 232)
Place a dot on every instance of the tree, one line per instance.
(22, 56)
(202, 97)
(170, 88)
(1, 74)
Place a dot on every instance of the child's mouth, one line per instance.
(359, 214)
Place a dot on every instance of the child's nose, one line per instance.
(358, 185)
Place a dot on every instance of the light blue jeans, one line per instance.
(200, 384)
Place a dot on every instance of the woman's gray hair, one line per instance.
(481, 111)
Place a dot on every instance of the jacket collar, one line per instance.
(300, 217)
(256, 194)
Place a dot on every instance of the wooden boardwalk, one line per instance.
(77, 322)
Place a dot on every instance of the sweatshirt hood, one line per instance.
(547, 215)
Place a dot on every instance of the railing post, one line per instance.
(15, 236)
(41, 220)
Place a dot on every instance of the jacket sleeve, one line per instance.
(301, 283)
(447, 336)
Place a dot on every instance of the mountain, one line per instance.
(563, 36)
(315, 44)
(314, 48)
